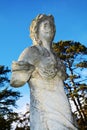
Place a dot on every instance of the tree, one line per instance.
(3, 75)
(74, 56)
(23, 122)
(8, 99)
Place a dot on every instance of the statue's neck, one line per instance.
(47, 45)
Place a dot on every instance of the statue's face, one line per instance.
(45, 30)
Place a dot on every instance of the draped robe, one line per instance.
(45, 73)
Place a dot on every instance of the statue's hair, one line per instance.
(35, 25)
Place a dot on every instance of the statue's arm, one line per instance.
(21, 70)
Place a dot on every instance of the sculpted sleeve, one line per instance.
(21, 69)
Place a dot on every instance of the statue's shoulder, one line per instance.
(34, 50)
(31, 52)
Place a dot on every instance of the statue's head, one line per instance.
(35, 26)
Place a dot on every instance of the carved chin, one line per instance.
(49, 38)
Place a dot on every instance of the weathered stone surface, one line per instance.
(44, 72)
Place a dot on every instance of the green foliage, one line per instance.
(8, 99)
(3, 75)
(82, 64)
(74, 56)
(23, 121)
(69, 49)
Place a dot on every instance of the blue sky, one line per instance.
(15, 19)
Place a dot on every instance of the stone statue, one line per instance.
(39, 66)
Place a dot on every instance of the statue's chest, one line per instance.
(47, 58)
(47, 66)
